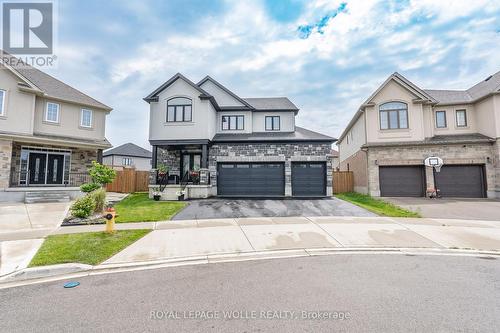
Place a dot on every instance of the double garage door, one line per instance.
(268, 179)
(466, 181)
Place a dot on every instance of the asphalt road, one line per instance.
(237, 208)
(350, 293)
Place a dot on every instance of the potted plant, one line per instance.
(162, 170)
(156, 196)
(194, 175)
(180, 195)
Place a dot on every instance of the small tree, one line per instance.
(101, 174)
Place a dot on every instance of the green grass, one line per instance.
(87, 248)
(376, 206)
(137, 207)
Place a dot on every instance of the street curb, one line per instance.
(74, 270)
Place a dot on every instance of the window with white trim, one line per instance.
(272, 123)
(52, 112)
(2, 102)
(127, 161)
(179, 109)
(86, 118)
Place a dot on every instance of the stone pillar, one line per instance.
(99, 156)
(204, 176)
(5, 163)
(152, 177)
(288, 178)
(204, 156)
(429, 178)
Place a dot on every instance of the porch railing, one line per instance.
(21, 178)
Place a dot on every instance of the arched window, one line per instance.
(393, 115)
(179, 109)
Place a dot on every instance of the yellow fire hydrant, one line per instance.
(110, 220)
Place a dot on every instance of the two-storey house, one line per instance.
(400, 125)
(49, 132)
(221, 144)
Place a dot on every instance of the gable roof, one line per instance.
(48, 86)
(229, 92)
(153, 97)
(128, 149)
(450, 96)
(272, 104)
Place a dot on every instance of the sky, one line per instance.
(325, 56)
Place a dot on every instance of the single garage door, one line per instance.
(251, 179)
(402, 181)
(464, 181)
(308, 179)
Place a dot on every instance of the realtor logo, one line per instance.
(27, 27)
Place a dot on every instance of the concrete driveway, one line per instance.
(468, 209)
(235, 208)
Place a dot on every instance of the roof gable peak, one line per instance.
(224, 89)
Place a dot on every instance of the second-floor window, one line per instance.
(461, 118)
(2, 102)
(233, 123)
(441, 119)
(179, 109)
(393, 115)
(272, 123)
(127, 161)
(86, 118)
(52, 112)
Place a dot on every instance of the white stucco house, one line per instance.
(128, 155)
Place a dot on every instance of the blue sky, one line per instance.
(326, 56)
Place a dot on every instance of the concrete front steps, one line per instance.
(46, 196)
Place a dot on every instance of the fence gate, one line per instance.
(343, 181)
(129, 181)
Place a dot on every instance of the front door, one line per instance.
(55, 169)
(190, 162)
(36, 167)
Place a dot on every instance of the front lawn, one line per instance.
(137, 207)
(376, 206)
(87, 248)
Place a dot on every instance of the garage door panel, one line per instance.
(402, 181)
(251, 179)
(464, 181)
(308, 179)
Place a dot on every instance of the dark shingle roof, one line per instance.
(271, 103)
(437, 140)
(53, 87)
(300, 134)
(449, 96)
(128, 149)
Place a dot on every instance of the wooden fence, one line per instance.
(128, 181)
(343, 181)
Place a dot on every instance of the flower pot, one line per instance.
(156, 197)
(180, 197)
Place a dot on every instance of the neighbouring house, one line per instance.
(49, 134)
(335, 160)
(400, 125)
(128, 155)
(216, 143)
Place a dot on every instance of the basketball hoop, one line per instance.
(435, 162)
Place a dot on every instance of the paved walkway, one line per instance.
(172, 239)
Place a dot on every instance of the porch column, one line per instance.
(154, 164)
(204, 156)
(99, 156)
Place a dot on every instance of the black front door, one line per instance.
(55, 169)
(37, 164)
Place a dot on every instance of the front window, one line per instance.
(86, 119)
(441, 119)
(393, 115)
(272, 123)
(52, 113)
(2, 102)
(461, 118)
(233, 123)
(179, 109)
(127, 161)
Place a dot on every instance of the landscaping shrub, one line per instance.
(101, 174)
(99, 197)
(83, 207)
(89, 187)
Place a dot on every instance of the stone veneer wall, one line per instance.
(5, 162)
(170, 158)
(271, 152)
(414, 155)
(78, 164)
